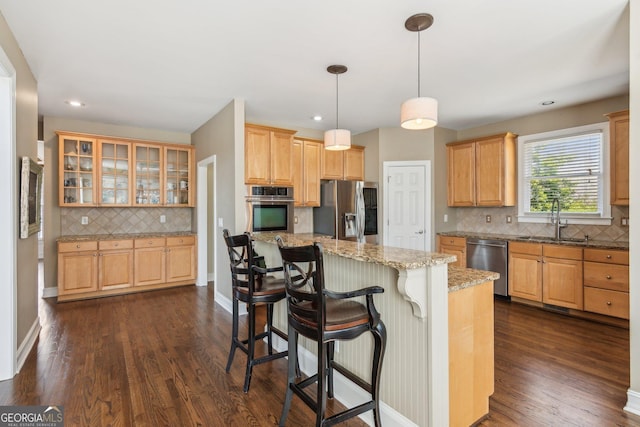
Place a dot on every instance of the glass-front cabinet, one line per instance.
(148, 174)
(115, 173)
(103, 171)
(77, 170)
(177, 177)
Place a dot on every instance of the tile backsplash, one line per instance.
(123, 220)
(474, 219)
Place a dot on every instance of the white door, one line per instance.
(407, 194)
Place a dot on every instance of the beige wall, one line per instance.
(26, 145)
(442, 137)
(223, 136)
(52, 212)
(634, 176)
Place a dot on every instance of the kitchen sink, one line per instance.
(551, 239)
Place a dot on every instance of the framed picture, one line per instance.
(30, 195)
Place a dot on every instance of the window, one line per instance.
(571, 165)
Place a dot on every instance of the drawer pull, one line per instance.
(115, 244)
(608, 302)
(608, 256)
(78, 246)
(608, 276)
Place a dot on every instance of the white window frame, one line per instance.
(604, 218)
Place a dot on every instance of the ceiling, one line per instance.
(172, 65)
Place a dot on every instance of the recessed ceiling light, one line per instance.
(317, 118)
(75, 103)
(545, 103)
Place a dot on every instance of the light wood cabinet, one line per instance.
(606, 282)
(619, 157)
(268, 155)
(306, 171)
(89, 267)
(114, 172)
(551, 274)
(96, 268)
(454, 246)
(346, 164)
(482, 172)
(471, 354)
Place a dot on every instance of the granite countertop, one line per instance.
(398, 258)
(599, 244)
(123, 236)
(461, 278)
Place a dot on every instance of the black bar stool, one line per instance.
(326, 316)
(251, 285)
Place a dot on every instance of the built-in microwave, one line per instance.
(269, 209)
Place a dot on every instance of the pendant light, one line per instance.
(420, 112)
(337, 139)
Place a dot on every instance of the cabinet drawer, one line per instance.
(87, 245)
(181, 241)
(525, 248)
(115, 244)
(560, 251)
(453, 241)
(606, 276)
(607, 255)
(155, 242)
(604, 301)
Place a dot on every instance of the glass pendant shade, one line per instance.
(337, 139)
(419, 113)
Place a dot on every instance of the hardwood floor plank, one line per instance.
(158, 358)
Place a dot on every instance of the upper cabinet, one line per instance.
(619, 146)
(347, 164)
(482, 171)
(307, 155)
(110, 172)
(268, 155)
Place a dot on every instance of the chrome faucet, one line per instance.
(555, 220)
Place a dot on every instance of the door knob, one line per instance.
(419, 232)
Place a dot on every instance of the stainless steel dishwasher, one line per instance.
(490, 255)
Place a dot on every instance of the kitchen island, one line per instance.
(415, 308)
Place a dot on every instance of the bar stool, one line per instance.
(251, 285)
(325, 317)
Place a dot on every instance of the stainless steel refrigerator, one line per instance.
(348, 211)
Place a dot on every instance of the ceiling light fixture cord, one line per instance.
(418, 64)
(337, 127)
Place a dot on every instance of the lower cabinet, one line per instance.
(551, 274)
(454, 246)
(94, 268)
(606, 282)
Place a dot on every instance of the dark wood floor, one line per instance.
(158, 358)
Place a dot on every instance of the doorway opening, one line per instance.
(207, 212)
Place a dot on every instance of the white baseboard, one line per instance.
(227, 304)
(211, 277)
(27, 344)
(633, 402)
(347, 392)
(49, 292)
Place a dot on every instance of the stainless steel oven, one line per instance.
(269, 209)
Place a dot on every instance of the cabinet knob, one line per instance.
(608, 302)
(115, 244)
(608, 256)
(95, 254)
(78, 246)
(608, 276)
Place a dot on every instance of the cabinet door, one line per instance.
(311, 170)
(525, 276)
(178, 182)
(454, 246)
(562, 282)
(181, 263)
(147, 174)
(490, 172)
(77, 272)
(115, 269)
(281, 162)
(619, 128)
(77, 170)
(257, 155)
(297, 175)
(354, 164)
(150, 265)
(114, 173)
(332, 165)
(461, 174)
